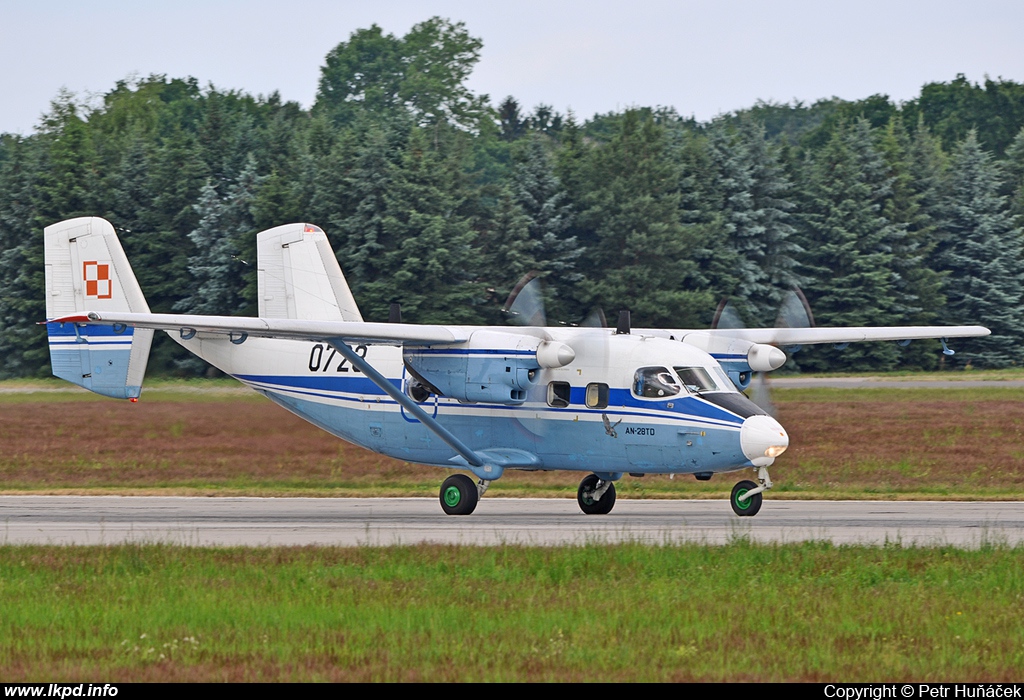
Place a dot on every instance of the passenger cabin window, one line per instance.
(696, 379)
(597, 396)
(655, 383)
(558, 394)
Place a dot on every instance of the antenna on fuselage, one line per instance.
(623, 327)
(395, 313)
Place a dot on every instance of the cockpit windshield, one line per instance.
(655, 383)
(698, 380)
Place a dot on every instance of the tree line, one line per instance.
(437, 198)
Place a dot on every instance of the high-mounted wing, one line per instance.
(820, 335)
(741, 351)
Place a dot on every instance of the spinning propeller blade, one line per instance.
(794, 312)
(595, 319)
(760, 393)
(525, 305)
(726, 316)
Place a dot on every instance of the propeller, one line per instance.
(595, 319)
(794, 312)
(525, 304)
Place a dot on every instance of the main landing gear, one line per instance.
(746, 495)
(459, 495)
(596, 496)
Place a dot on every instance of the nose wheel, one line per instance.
(746, 496)
(595, 496)
(742, 502)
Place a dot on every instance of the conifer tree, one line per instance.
(539, 194)
(1015, 178)
(153, 190)
(848, 249)
(985, 283)
(756, 210)
(217, 268)
(23, 349)
(704, 212)
(511, 122)
(639, 254)
(918, 288)
(411, 244)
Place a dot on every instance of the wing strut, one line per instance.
(476, 464)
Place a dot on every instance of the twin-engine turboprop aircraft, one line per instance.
(480, 399)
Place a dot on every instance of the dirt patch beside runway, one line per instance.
(237, 445)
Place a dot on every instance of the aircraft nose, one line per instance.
(763, 439)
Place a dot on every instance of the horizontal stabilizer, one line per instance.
(296, 329)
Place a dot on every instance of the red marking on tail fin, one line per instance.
(97, 279)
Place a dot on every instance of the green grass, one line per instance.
(631, 612)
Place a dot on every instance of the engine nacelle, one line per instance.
(765, 358)
(492, 367)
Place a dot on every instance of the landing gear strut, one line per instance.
(746, 496)
(595, 496)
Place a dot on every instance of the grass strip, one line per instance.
(628, 612)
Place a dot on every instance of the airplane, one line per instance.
(481, 399)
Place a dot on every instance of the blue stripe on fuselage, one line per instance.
(685, 407)
(460, 352)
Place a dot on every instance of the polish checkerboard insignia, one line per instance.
(97, 279)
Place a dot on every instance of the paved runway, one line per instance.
(386, 521)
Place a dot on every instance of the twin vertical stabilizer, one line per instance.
(299, 276)
(87, 270)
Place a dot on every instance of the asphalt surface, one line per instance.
(388, 521)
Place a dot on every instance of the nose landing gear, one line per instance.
(746, 496)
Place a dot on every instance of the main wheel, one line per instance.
(459, 495)
(585, 497)
(749, 506)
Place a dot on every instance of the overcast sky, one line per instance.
(703, 58)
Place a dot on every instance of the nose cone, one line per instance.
(763, 439)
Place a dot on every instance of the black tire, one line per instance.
(459, 495)
(584, 496)
(748, 507)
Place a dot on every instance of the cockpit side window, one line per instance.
(696, 380)
(655, 383)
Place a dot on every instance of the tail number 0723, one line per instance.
(321, 356)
